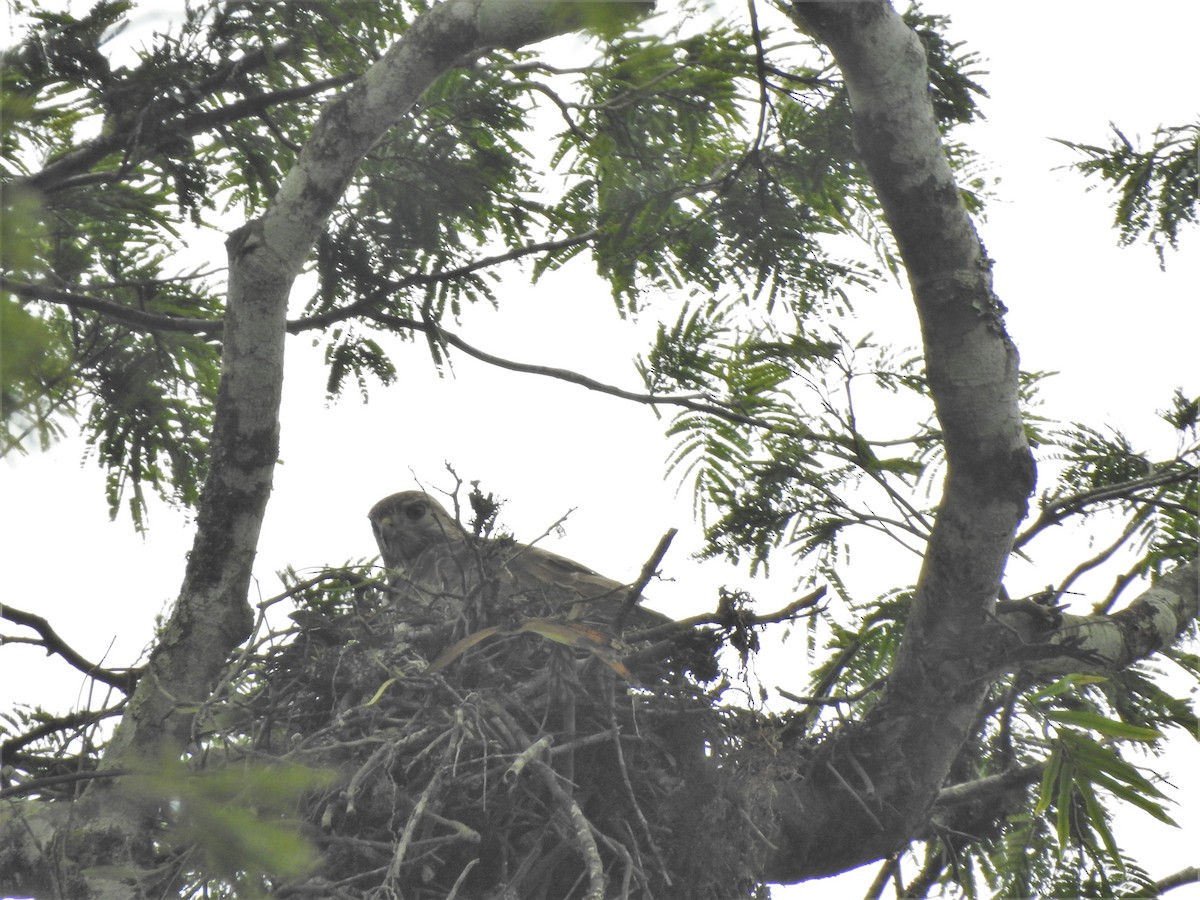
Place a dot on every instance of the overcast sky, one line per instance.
(1121, 333)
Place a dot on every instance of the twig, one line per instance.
(410, 827)
(648, 571)
(1104, 555)
(832, 700)
(1057, 510)
(582, 830)
(403, 323)
(853, 793)
(631, 795)
(462, 876)
(530, 753)
(367, 305)
(717, 618)
(127, 315)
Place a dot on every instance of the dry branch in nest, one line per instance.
(500, 753)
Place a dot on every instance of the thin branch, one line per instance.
(648, 570)
(421, 279)
(787, 613)
(829, 679)
(53, 642)
(256, 105)
(446, 337)
(75, 720)
(127, 315)
(1106, 554)
(581, 831)
(832, 699)
(563, 107)
(1056, 511)
(548, 69)
(37, 784)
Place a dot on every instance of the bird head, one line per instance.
(408, 523)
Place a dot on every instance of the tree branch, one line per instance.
(446, 337)
(1055, 511)
(988, 787)
(10, 747)
(1103, 644)
(119, 312)
(1105, 554)
(891, 766)
(1182, 878)
(54, 644)
(368, 305)
(722, 618)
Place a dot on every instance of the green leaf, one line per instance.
(1136, 797)
(1102, 724)
(1062, 686)
(1066, 787)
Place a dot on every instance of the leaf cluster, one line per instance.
(1156, 188)
(713, 159)
(111, 172)
(779, 451)
(1104, 476)
(1059, 754)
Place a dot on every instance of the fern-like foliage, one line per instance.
(1155, 188)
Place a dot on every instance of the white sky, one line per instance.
(1121, 333)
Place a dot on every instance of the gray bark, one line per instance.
(873, 784)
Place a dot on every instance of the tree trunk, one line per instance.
(212, 615)
(872, 785)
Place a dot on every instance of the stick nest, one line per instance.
(533, 764)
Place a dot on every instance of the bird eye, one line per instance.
(415, 511)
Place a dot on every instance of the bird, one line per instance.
(432, 561)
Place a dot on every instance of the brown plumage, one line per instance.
(435, 563)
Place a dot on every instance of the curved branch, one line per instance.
(891, 766)
(446, 337)
(1056, 511)
(1182, 878)
(1106, 554)
(76, 720)
(54, 644)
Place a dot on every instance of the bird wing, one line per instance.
(567, 584)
